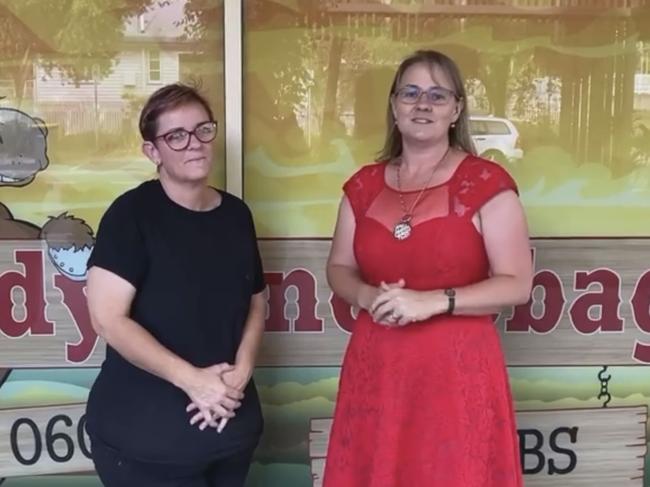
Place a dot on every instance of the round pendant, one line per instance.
(402, 230)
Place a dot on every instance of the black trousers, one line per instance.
(115, 470)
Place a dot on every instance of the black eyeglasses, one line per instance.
(179, 139)
(436, 95)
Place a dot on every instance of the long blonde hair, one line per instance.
(459, 136)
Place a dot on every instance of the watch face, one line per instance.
(450, 292)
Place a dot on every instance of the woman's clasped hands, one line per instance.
(215, 393)
(395, 305)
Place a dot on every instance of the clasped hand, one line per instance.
(396, 306)
(215, 393)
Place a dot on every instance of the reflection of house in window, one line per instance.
(153, 66)
(642, 77)
(148, 56)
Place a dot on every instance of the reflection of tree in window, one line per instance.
(71, 41)
(643, 49)
(477, 98)
(154, 66)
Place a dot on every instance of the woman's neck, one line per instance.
(416, 158)
(196, 196)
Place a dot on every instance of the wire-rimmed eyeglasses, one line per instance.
(436, 95)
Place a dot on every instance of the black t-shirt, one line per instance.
(194, 274)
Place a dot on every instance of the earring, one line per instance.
(453, 125)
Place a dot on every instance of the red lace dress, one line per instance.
(427, 404)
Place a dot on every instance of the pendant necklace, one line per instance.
(403, 228)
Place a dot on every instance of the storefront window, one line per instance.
(76, 78)
(74, 75)
(559, 88)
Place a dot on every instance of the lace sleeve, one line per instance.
(361, 188)
(482, 182)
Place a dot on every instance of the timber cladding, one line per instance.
(603, 447)
(44, 440)
(589, 306)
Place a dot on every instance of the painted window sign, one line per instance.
(559, 93)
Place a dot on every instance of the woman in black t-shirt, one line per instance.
(175, 288)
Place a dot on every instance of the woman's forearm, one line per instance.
(139, 347)
(253, 332)
(348, 285)
(489, 296)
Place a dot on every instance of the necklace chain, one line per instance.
(408, 213)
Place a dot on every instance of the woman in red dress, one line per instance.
(430, 242)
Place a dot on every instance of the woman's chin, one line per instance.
(424, 137)
(191, 175)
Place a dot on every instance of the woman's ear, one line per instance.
(458, 110)
(150, 150)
